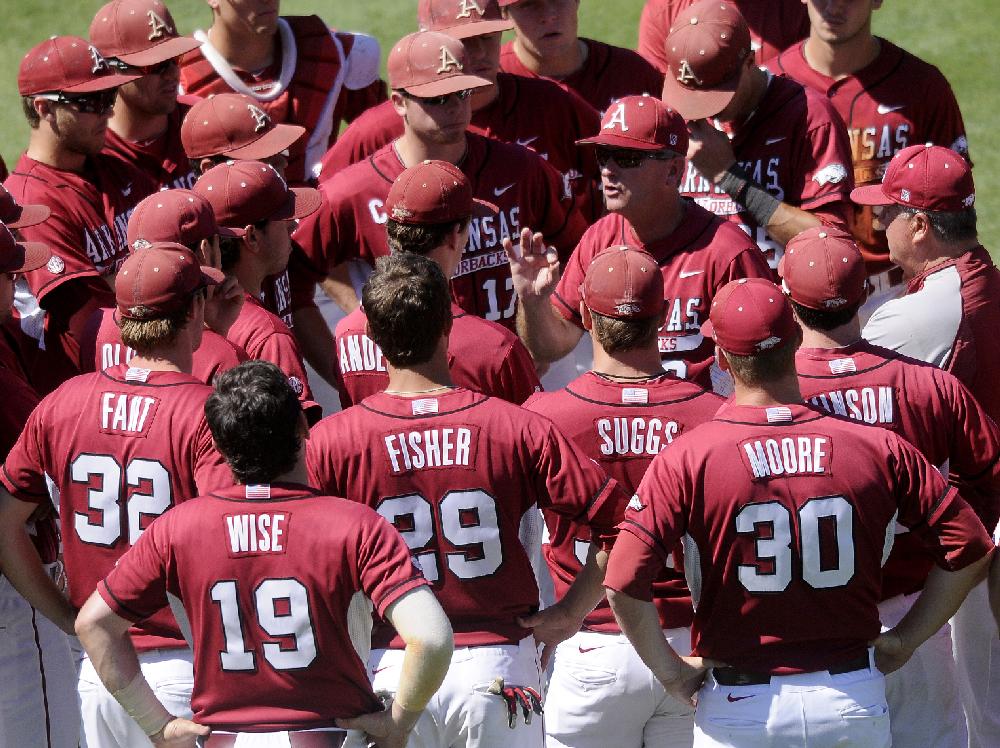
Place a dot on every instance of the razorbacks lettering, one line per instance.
(103, 243)
(789, 456)
(867, 404)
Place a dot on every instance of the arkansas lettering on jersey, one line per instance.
(896, 101)
(162, 158)
(350, 223)
(279, 593)
(482, 356)
(121, 447)
(786, 515)
(622, 427)
(609, 73)
(102, 348)
(462, 476)
(702, 255)
(795, 146)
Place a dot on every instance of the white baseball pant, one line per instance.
(977, 659)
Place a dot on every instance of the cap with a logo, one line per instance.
(432, 192)
(642, 123)
(749, 316)
(429, 63)
(138, 32)
(924, 177)
(178, 216)
(245, 192)
(625, 283)
(16, 216)
(20, 257)
(160, 278)
(69, 64)
(822, 269)
(233, 125)
(461, 18)
(705, 50)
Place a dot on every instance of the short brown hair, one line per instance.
(28, 105)
(408, 305)
(616, 335)
(419, 239)
(146, 335)
(764, 367)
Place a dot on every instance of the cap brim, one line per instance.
(302, 201)
(101, 83)
(227, 233)
(30, 215)
(167, 50)
(271, 143)
(33, 256)
(479, 28)
(698, 104)
(619, 141)
(448, 86)
(707, 330)
(871, 194)
(211, 276)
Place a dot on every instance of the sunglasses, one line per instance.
(439, 100)
(99, 102)
(158, 69)
(630, 159)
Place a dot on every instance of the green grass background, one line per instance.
(958, 36)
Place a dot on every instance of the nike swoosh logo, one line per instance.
(527, 141)
(733, 699)
(886, 108)
(584, 650)
(498, 191)
(772, 141)
(379, 670)
(126, 191)
(690, 273)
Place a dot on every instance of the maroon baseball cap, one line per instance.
(175, 216)
(461, 18)
(748, 316)
(429, 63)
(233, 125)
(822, 269)
(161, 278)
(642, 123)
(625, 283)
(20, 257)
(69, 64)
(924, 177)
(16, 216)
(245, 192)
(432, 192)
(138, 32)
(705, 50)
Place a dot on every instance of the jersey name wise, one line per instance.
(256, 533)
(634, 436)
(868, 404)
(804, 454)
(122, 413)
(432, 448)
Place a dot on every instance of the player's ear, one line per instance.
(587, 318)
(204, 164)
(676, 169)
(720, 358)
(920, 226)
(44, 108)
(398, 103)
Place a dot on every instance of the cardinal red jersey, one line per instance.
(608, 74)
(162, 158)
(462, 477)
(482, 356)
(102, 348)
(319, 79)
(926, 406)
(702, 255)
(278, 584)
(795, 146)
(622, 426)
(121, 447)
(350, 223)
(786, 515)
(774, 25)
(896, 101)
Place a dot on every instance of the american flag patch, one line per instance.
(424, 406)
(135, 374)
(843, 366)
(258, 491)
(779, 414)
(635, 395)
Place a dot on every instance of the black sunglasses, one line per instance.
(630, 159)
(98, 102)
(439, 100)
(158, 69)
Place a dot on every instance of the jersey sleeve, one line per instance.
(319, 235)
(566, 298)
(136, 588)
(322, 458)
(211, 471)
(749, 263)
(825, 162)
(653, 34)
(63, 239)
(516, 379)
(944, 122)
(385, 567)
(24, 469)
(282, 350)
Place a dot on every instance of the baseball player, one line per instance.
(546, 44)
(887, 97)
(781, 161)
(462, 477)
(68, 92)
(947, 317)
(774, 26)
(270, 560)
(181, 217)
(430, 208)
(140, 37)
(786, 515)
(120, 448)
(824, 276)
(621, 415)
(641, 149)
(296, 68)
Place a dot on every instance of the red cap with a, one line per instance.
(176, 216)
(461, 18)
(16, 216)
(138, 32)
(625, 283)
(749, 316)
(705, 50)
(432, 192)
(429, 63)
(245, 192)
(642, 123)
(69, 64)
(923, 177)
(233, 125)
(160, 278)
(20, 257)
(822, 269)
